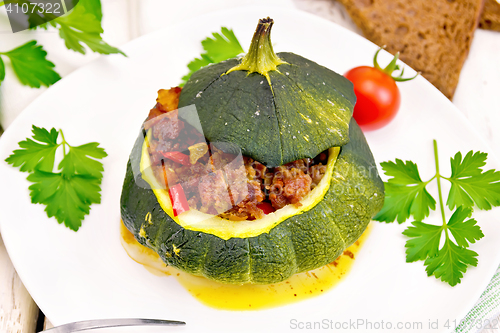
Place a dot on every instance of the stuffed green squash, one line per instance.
(275, 133)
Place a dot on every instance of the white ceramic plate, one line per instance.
(86, 275)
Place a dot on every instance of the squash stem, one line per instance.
(260, 57)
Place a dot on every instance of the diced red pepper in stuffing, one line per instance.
(266, 207)
(177, 157)
(178, 199)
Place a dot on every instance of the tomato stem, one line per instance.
(375, 62)
(393, 66)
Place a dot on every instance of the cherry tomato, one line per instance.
(378, 96)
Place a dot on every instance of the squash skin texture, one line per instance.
(299, 243)
(245, 110)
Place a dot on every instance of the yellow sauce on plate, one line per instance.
(248, 296)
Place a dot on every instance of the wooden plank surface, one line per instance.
(18, 312)
(47, 324)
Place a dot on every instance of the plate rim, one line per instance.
(6, 137)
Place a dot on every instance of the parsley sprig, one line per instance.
(70, 190)
(406, 195)
(30, 65)
(222, 46)
(81, 26)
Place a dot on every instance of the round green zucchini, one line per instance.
(290, 109)
(299, 243)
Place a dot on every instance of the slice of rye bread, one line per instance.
(490, 18)
(433, 37)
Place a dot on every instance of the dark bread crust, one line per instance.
(490, 19)
(433, 37)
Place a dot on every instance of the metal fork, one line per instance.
(108, 323)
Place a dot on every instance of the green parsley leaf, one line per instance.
(31, 66)
(78, 160)
(470, 166)
(450, 263)
(405, 193)
(91, 6)
(69, 192)
(195, 65)
(426, 237)
(82, 25)
(470, 185)
(464, 232)
(34, 21)
(2, 70)
(38, 154)
(424, 242)
(223, 46)
(37, 17)
(68, 198)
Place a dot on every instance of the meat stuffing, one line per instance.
(216, 182)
